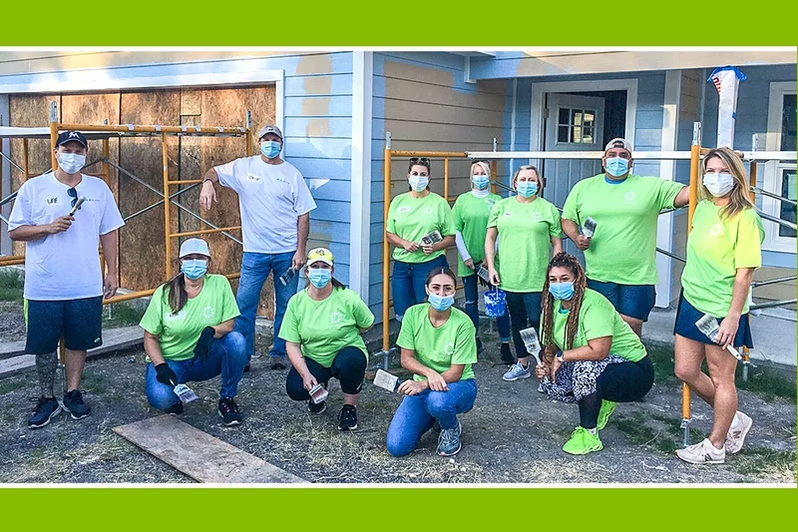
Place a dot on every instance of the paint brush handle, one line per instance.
(734, 352)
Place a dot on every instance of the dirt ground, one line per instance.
(513, 434)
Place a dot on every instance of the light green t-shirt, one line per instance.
(439, 348)
(525, 233)
(716, 248)
(178, 333)
(413, 218)
(323, 328)
(623, 248)
(471, 219)
(598, 318)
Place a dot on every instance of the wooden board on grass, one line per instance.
(199, 455)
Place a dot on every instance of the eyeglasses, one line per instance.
(419, 160)
(73, 193)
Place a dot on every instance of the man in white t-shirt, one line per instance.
(275, 204)
(63, 216)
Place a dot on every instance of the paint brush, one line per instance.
(531, 343)
(185, 393)
(589, 227)
(386, 381)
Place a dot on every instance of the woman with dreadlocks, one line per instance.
(591, 356)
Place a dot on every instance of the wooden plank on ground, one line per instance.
(199, 455)
(113, 340)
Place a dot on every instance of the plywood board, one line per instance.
(142, 257)
(199, 455)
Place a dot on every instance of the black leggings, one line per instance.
(524, 308)
(349, 367)
(621, 383)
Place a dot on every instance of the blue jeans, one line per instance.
(255, 268)
(471, 288)
(417, 414)
(226, 356)
(408, 283)
(635, 301)
(524, 309)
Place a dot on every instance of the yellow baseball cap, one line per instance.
(320, 254)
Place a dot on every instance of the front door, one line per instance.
(574, 123)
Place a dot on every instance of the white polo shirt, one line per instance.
(271, 198)
(66, 265)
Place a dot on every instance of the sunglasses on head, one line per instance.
(73, 193)
(421, 160)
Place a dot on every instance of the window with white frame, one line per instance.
(780, 176)
(576, 126)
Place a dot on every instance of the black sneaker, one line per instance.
(46, 409)
(228, 410)
(314, 408)
(278, 363)
(507, 355)
(175, 410)
(73, 403)
(347, 419)
(480, 349)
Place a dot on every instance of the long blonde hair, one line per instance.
(739, 200)
(482, 164)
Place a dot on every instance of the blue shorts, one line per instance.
(78, 321)
(687, 315)
(635, 301)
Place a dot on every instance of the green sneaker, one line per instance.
(582, 442)
(606, 410)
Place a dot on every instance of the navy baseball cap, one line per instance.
(69, 136)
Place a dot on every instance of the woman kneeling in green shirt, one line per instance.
(188, 334)
(321, 328)
(599, 360)
(439, 347)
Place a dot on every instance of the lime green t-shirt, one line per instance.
(716, 248)
(413, 218)
(439, 348)
(623, 248)
(471, 215)
(323, 328)
(525, 233)
(178, 333)
(598, 318)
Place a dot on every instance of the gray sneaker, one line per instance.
(736, 435)
(516, 371)
(449, 441)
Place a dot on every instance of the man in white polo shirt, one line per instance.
(63, 216)
(275, 204)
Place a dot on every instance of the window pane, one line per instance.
(587, 135)
(589, 118)
(577, 118)
(788, 190)
(577, 134)
(564, 117)
(788, 124)
(562, 134)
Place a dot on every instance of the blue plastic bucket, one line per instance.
(495, 304)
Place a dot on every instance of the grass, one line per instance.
(776, 466)
(639, 433)
(10, 286)
(8, 386)
(769, 383)
(122, 315)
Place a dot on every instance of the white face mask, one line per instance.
(418, 182)
(71, 163)
(719, 184)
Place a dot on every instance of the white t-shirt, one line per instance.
(271, 198)
(66, 265)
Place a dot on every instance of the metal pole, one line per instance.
(771, 304)
(695, 161)
(446, 178)
(166, 211)
(174, 195)
(771, 195)
(386, 197)
(772, 281)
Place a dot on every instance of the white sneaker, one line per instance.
(736, 435)
(702, 453)
(516, 371)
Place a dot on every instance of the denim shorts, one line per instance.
(687, 315)
(79, 321)
(635, 301)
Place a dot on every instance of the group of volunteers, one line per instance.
(589, 320)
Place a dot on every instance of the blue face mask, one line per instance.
(441, 303)
(319, 277)
(270, 149)
(562, 291)
(194, 268)
(617, 166)
(526, 188)
(480, 181)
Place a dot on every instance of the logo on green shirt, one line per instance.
(629, 196)
(336, 317)
(448, 349)
(536, 216)
(208, 312)
(716, 230)
(403, 209)
(428, 211)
